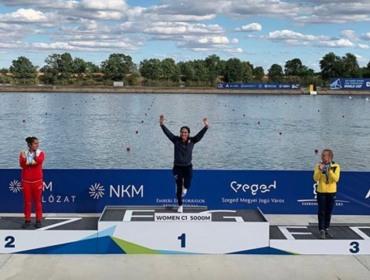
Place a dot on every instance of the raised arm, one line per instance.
(335, 175)
(201, 133)
(39, 159)
(22, 159)
(166, 131)
(317, 173)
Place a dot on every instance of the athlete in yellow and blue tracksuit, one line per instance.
(327, 175)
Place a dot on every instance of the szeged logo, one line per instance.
(15, 186)
(253, 188)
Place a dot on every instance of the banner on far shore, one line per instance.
(349, 84)
(274, 192)
(257, 86)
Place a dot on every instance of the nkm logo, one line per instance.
(97, 191)
(254, 188)
(15, 186)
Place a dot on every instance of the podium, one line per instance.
(160, 230)
(58, 235)
(349, 239)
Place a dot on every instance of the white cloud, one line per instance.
(172, 17)
(207, 44)
(292, 42)
(88, 24)
(336, 12)
(104, 15)
(107, 44)
(363, 46)
(213, 40)
(234, 51)
(112, 5)
(55, 4)
(87, 46)
(362, 61)
(259, 8)
(290, 35)
(113, 25)
(53, 46)
(24, 15)
(11, 45)
(365, 36)
(250, 27)
(336, 43)
(292, 38)
(182, 28)
(201, 49)
(10, 33)
(131, 27)
(348, 34)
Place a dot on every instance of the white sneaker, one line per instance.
(184, 191)
(180, 210)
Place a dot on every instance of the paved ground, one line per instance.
(148, 267)
(225, 267)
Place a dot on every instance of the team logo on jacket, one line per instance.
(15, 186)
(96, 191)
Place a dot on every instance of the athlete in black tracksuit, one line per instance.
(183, 168)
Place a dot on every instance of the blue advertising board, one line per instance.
(257, 86)
(278, 192)
(349, 84)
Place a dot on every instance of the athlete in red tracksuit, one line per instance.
(32, 180)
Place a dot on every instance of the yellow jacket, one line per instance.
(330, 185)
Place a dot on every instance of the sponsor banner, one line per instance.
(257, 86)
(349, 84)
(278, 192)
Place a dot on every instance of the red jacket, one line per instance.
(32, 165)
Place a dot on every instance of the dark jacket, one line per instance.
(183, 151)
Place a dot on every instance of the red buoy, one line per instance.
(128, 149)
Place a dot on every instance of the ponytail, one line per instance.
(30, 140)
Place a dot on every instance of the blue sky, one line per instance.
(262, 32)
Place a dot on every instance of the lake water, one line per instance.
(246, 132)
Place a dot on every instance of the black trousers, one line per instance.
(183, 176)
(325, 201)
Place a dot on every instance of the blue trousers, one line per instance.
(183, 175)
(325, 202)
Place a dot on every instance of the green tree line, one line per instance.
(63, 69)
